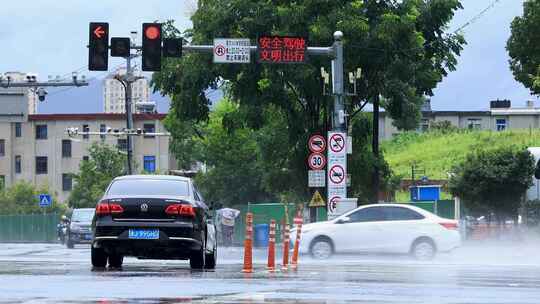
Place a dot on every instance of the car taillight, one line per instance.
(106, 208)
(450, 226)
(180, 209)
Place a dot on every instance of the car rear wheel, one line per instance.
(115, 261)
(210, 262)
(423, 249)
(99, 257)
(197, 259)
(321, 249)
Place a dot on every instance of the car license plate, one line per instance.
(144, 234)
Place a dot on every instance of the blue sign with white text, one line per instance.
(45, 200)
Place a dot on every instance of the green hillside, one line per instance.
(437, 153)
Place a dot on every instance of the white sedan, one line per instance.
(381, 228)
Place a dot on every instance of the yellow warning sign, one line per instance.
(317, 200)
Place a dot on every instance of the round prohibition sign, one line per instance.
(316, 161)
(317, 144)
(332, 204)
(220, 50)
(337, 143)
(337, 174)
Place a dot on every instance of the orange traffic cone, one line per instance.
(272, 247)
(298, 221)
(248, 245)
(286, 241)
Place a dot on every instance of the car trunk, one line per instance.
(145, 208)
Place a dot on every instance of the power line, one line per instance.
(477, 17)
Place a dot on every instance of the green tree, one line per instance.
(23, 198)
(95, 174)
(523, 48)
(400, 46)
(494, 180)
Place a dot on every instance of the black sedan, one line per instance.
(153, 217)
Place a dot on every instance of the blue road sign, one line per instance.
(45, 200)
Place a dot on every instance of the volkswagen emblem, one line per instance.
(144, 207)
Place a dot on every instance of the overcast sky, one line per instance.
(49, 37)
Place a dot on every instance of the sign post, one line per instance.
(337, 170)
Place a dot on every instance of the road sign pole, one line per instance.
(129, 115)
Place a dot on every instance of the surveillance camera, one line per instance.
(41, 93)
(31, 77)
(108, 130)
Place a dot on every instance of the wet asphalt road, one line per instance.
(50, 273)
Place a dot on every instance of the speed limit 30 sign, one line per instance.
(316, 161)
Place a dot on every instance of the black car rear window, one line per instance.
(149, 187)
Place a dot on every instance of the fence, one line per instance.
(28, 228)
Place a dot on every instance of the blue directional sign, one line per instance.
(45, 200)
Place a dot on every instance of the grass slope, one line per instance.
(437, 153)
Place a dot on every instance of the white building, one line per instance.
(114, 93)
(500, 117)
(38, 150)
(28, 92)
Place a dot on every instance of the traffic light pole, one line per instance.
(129, 114)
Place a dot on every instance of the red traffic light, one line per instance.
(152, 32)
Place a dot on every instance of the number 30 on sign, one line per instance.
(316, 161)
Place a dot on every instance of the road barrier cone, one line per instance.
(272, 247)
(298, 221)
(248, 245)
(286, 241)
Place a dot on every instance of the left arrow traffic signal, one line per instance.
(98, 47)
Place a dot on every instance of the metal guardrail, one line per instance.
(28, 228)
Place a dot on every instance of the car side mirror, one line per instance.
(344, 220)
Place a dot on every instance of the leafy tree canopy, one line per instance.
(400, 46)
(23, 198)
(494, 180)
(523, 46)
(95, 174)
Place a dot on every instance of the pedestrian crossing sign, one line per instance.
(317, 200)
(45, 200)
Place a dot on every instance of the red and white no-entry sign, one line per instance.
(337, 143)
(317, 144)
(316, 161)
(336, 174)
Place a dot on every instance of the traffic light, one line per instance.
(151, 47)
(120, 47)
(98, 47)
(172, 47)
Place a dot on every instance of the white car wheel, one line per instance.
(321, 249)
(423, 250)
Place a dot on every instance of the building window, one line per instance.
(149, 128)
(67, 182)
(41, 164)
(85, 158)
(424, 125)
(501, 124)
(66, 148)
(150, 164)
(18, 164)
(85, 128)
(2, 147)
(18, 130)
(2, 182)
(474, 123)
(41, 132)
(122, 144)
(102, 129)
